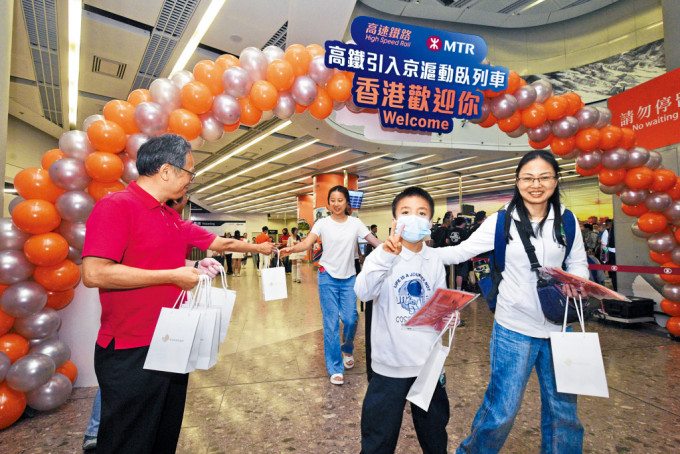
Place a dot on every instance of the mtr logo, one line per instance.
(435, 44)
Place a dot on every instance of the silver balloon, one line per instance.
(661, 242)
(589, 159)
(520, 131)
(197, 143)
(14, 267)
(130, 172)
(267, 115)
(236, 82)
(503, 106)
(135, 141)
(635, 228)
(673, 211)
(10, 235)
(181, 78)
(605, 117)
(525, 96)
(658, 201)
(543, 89)
(74, 206)
(38, 325)
(637, 157)
(211, 128)
(35, 342)
(75, 144)
(69, 174)
(587, 117)
(337, 105)
(486, 110)
(91, 119)
(349, 104)
(654, 160)
(74, 232)
(304, 90)
(675, 254)
(657, 280)
(75, 255)
(5, 364)
(15, 201)
(30, 372)
(254, 62)
(565, 127)
(57, 350)
(166, 94)
(633, 196)
(226, 109)
(23, 299)
(150, 118)
(50, 395)
(672, 291)
(541, 132)
(285, 106)
(612, 189)
(318, 71)
(616, 158)
(272, 53)
(575, 153)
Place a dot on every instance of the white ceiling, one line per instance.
(121, 34)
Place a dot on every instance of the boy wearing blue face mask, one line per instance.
(400, 276)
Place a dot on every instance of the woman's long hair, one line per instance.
(343, 190)
(294, 233)
(237, 235)
(517, 202)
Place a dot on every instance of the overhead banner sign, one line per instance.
(651, 110)
(418, 78)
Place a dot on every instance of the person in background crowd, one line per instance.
(263, 258)
(283, 241)
(368, 310)
(228, 257)
(480, 216)
(440, 238)
(295, 258)
(590, 238)
(237, 257)
(608, 241)
(336, 278)
(457, 235)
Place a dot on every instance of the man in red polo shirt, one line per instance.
(263, 238)
(134, 253)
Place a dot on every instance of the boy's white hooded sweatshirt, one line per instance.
(399, 286)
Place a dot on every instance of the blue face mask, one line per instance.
(415, 227)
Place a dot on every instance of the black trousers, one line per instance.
(382, 411)
(142, 410)
(612, 274)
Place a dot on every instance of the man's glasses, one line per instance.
(193, 174)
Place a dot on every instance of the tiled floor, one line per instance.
(269, 392)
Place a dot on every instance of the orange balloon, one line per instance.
(196, 97)
(69, 370)
(299, 57)
(35, 183)
(674, 192)
(534, 115)
(652, 222)
(492, 94)
(574, 101)
(628, 139)
(315, 49)
(230, 128)
(14, 346)
(639, 178)
(513, 82)
(634, 210)
(104, 167)
(588, 139)
(250, 114)
(264, 95)
(98, 189)
(542, 144)
(563, 146)
(139, 96)
(609, 177)
(107, 136)
(556, 107)
(185, 123)
(348, 74)
(673, 326)
(57, 278)
(489, 122)
(671, 278)
(610, 136)
(280, 73)
(663, 180)
(659, 257)
(299, 108)
(588, 172)
(511, 123)
(36, 216)
(322, 106)
(6, 321)
(225, 61)
(12, 405)
(59, 300)
(339, 87)
(672, 308)
(46, 249)
(210, 74)
(122, 113)
(49, 157)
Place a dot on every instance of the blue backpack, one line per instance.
(489, 284)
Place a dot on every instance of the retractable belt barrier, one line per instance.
(636, 269)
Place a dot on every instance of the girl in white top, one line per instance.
(336, 277)
(297, 257)
(236, 257)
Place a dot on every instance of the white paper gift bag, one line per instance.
(577, 360)
(224, 299)
(175, 340)
(422, 389)
(208, 327)
(274, 282)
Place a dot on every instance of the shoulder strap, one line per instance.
(531, 250)
(499, 241)
(569, 226)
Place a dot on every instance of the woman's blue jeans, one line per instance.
(513, 356)
(338, 302)
(93, 424)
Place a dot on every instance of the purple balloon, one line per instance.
(285, 106)
(75, 144)
(254, 62)
(541, 132)
(673, 211)
(616, 158)
(318, 71)
(635, 228)
(589, 159)
(605, 117)
(587, 117)
(304, 90)
(658, 201)
(637, 157)
(11, 237)
(130, 172)
(236, 82)
(14, 267)
(543, 89)
(672, 291)
(485, 111)
(612, 189)
(135, 141)
(38, 325)
(151, 119)
(74, 232)
(69, 174)
(74, 206)
(75, 255)
(633, 196)
(23, 299)
(503, 106)
(661, 242)
(181, 78)
(30, 372)
(15, 201)
(575, 153)
(654, 160)
(525, 96)
(565, 127)
(50, 395)
(519, 132)
(166, 94)
(226, 108)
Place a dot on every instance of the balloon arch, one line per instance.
(40, 245)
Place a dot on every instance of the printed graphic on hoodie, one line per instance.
(412, 292)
